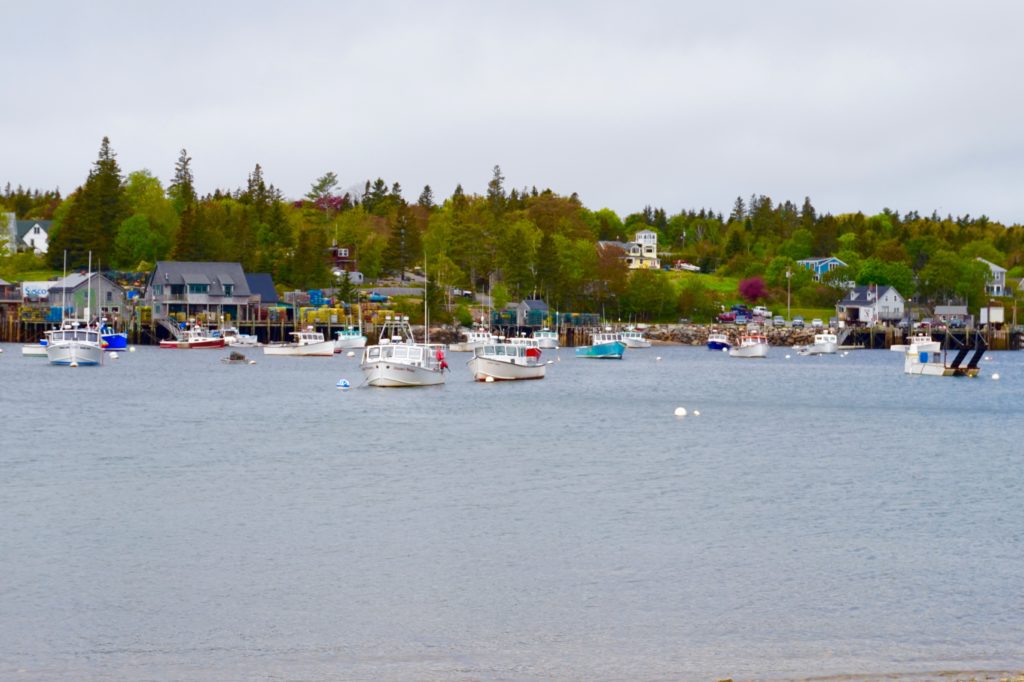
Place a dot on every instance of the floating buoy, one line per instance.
(252, 362)
(489, 380)
(696, 413)
(725, 350)
(73, 364)
(131, 349)
(787, 356)
(350, 354)
(996, 376)
(988, 358)
(113, 355)
(680, 412)
(657, 359)
(551, 362)
(343, 385)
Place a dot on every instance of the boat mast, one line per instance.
(426, 308)
(88, 291)
(64, 289)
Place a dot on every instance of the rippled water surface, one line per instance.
(168, 516)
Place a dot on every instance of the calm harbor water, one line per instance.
(169, 517)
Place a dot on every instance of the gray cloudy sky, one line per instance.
(859, 105)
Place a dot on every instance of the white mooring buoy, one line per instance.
(696, 413)
(680, 412)
(343, 385)
(489, 380)
(73, 364)
(350, 354)
(131, 349)
(995, 376)
(113, 355)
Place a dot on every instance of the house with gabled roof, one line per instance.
(26, 235)
(531, 312)
(104, 298)
(639, 254)
(995, 283)
(871, 304)
(185, 289)
(820, 267)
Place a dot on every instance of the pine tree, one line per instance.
(496, 192)
(99, 210)
(426, 199)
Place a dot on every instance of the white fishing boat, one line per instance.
(75, 342)
(531, 344)
(751, 345)
(825, 343)
(547, 339)
(306, 343)
(917, 343)
(930, 358)
(473, 338)
(348, 339)
(233, 337)
(506, 362)
(396, 360)
(634, 339)
(34, 350)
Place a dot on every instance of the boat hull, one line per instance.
(504, 369)
(34, 350)
(343, 343)
(719, 345)
(321, 349)
(755, 351)
(825, 348)
(74, 353)
(612, 350)
(636, 343)
(390, 374)
(931, 363)
(190, 345)
(546, 343)
(118, 341)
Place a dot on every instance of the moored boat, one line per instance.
(348, 338)
(34, 350)
(74, 343)
(603, 346)
(472, 338)
(195, 336)
(751, 345)
(506, 362)
(233, 337)
(397, 361)
(112, 340)
(546, 339)
(825, 343)
(306, 343)
(719, 341)
(634, 339)
(930, 358)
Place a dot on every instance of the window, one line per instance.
(343, 253)
(198, 288)
(110, 296)
(229, 289)
(158, 289)
(177, 290)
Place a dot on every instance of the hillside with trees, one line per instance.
(515, 242)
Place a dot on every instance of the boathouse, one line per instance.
(871, 304)
(181, 290)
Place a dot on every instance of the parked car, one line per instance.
(762, 311)
(817, 323)
(833, 322)
(742, 318)
(779, 321)
(798, 322)
(957, 324)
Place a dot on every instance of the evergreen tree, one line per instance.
(496, 192)
(93, 221)
(426, 199)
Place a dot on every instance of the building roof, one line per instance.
(24, 226)
(262, 284)
(535, 304)
(991, 265)
(216, 274)
(4, 282)
(859, 296)
(76, 280)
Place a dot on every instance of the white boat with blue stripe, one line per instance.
(603, 346)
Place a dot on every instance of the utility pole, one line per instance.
(789, 275)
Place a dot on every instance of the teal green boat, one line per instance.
(604, 346)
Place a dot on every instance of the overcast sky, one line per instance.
(859, 105)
